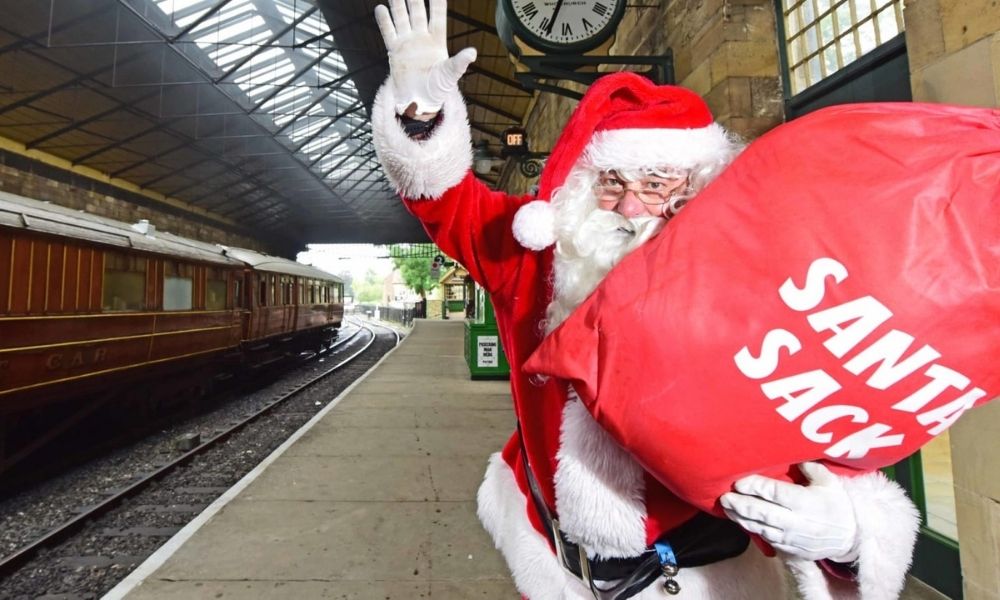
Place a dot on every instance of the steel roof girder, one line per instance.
(333, 121)
(335, 146)
(299, 73)
(268, 44)
(493, 109)
(342, 161)
(218, 6)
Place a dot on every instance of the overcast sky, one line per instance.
(353, 258)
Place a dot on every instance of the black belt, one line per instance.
(699, 541)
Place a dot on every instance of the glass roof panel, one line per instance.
(260, 46)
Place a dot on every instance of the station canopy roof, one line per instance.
(252, 113)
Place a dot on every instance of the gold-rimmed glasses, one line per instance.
(651, 190)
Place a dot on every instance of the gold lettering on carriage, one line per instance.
(941, 393)
(74, 359)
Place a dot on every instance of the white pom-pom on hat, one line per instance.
(534, 225)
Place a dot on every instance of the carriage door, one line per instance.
(840, 51)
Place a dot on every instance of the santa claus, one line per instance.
(573, 514)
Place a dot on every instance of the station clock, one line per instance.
(561, 26)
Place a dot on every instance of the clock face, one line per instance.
(564, 25)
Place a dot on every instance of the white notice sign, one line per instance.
(487, 354)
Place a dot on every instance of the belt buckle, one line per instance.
(557, 538)
(585, 577)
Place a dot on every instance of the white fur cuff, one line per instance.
(887, 530)
(534, 225)
(427, 168)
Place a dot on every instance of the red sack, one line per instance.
(834, 295)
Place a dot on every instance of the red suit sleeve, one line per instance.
(472, 224)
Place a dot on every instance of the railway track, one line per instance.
(88, 553)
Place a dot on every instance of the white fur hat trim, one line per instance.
(638, 148)
(534, 225)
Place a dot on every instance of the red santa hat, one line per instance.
(624, 121)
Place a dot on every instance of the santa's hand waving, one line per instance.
(420, 71)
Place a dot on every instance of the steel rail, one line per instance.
(11, 563)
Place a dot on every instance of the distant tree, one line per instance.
(416, 271)
(348, 283)
(370, 289)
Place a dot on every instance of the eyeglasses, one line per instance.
(611, 188)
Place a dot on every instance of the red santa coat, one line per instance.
(474, 225)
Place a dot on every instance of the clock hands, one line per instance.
(555, 13)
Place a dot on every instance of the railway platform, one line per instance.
(373, 498)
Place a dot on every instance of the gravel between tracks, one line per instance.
(107, 549)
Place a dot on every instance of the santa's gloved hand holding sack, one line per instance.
(814, 522)
(566, 484)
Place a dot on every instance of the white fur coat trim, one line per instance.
(887, 527)
(427, 168)
(538, 575)
(599, 487)
(645, 148)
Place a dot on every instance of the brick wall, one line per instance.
(32, 179)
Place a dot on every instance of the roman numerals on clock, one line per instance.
(563, 25)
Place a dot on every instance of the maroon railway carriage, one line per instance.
(287, 302)
(95, 311)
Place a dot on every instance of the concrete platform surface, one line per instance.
(375, 498)
(372, 499)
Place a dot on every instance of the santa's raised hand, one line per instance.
(420, 70)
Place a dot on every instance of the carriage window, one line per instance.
(238, 292)
(286, 289)
(262, 298)
(178, 286)
(124, 282)
(312, 292)
(273, 285)
(215, 290)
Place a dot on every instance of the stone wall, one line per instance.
(954, 51)
(725, 50)
(38, 181)
(954, 54)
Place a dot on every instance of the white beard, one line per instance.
(599, 486)
(586, 251)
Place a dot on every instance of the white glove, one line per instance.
(813, 522)
(419, 68)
